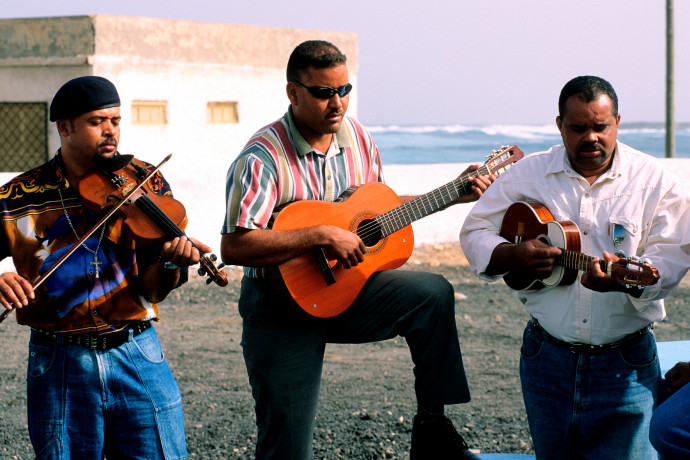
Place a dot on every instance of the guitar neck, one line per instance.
(579, 261)
(426, 204)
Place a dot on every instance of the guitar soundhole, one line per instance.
(369, 231)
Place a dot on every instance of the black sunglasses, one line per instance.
(326, 92)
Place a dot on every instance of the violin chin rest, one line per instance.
(115, 163)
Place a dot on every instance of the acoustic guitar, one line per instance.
(373, 211)
(532, 220)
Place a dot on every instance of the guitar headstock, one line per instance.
(501, 159)
(632, 273)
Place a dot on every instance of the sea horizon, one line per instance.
(465, 143)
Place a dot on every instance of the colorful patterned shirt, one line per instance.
(278, 166)
(35, 232)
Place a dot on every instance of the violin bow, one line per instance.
(88, 234)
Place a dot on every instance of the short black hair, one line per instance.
(319, 54)
(587, 88)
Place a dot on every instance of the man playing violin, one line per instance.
(97, 382)
(315, 152)
(588, 364)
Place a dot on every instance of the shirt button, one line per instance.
(584, 320)
(95, 313)
(585, 232)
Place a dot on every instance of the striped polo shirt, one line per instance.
(278, 166)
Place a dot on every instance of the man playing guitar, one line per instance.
(588, 369)
(315, 152)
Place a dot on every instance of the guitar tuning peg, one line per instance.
(201, 271)
(213, 257)
(220, 266)
(208, 280)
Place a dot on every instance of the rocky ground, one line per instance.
(367, 401)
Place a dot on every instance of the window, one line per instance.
(222, 112)
(149, 112)
(23, 135)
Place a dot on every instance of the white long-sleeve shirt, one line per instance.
(637, 193)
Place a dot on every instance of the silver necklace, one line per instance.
(95, 262)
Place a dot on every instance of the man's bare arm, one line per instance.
(261, 248)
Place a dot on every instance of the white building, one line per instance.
(197, 90)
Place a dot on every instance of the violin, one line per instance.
(152, 218)
(122, 186)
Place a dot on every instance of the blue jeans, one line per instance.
(589, 406)
(670, 427)
(284, 349)
(121, 403)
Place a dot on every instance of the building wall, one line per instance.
(184, 63)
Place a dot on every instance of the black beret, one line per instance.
(81, 95)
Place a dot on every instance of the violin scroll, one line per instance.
(208, 268)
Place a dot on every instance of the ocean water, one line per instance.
(471, 144)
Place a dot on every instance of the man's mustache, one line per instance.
(591, 146)
(108, 141)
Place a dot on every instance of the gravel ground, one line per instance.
(367, 400)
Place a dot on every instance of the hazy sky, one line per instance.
(460, 61)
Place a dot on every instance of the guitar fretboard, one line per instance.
(426, 204)
(437, 199)
(579, 261)
(390, 222)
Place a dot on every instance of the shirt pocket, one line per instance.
(624, 235)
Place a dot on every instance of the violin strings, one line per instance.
(158, 216)
(162, 219)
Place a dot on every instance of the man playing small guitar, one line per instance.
(315, 152)
(588, 364)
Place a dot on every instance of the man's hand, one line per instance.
(678, 376)
(15, 291)
(479, 185)
(597, 280)
(344, 246)
(181, 251)
(536, 257)
(533, 259)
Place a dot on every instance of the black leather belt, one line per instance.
(93, 341)
(586, 348)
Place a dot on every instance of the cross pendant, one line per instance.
(95, 264)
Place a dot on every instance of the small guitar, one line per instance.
(532, 220)
(324, 288)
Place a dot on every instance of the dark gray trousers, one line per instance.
(284, 348)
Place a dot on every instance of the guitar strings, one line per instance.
(371, 228)
(380, 221)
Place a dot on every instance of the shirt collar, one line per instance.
(303, 148)
(54, 170)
